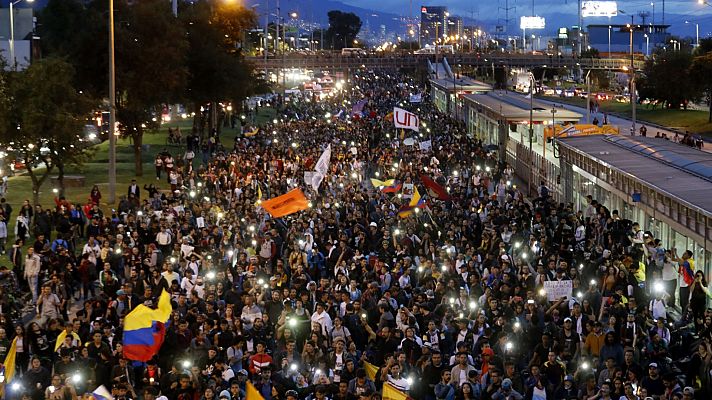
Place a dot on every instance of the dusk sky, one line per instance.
(676, 11)
(689, 8)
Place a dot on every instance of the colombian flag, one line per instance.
(687, 270)
(251, 392)
(144, 329)
(391, 393)
(8, 366)
(387, 186)
(371, 370)
(378, 183)
(415, 202)
(289, 203)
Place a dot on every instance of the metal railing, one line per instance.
(337, 61)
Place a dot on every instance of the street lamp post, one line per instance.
(112, 108)
(553, 135)
(609, 41)
(697, 33)
(531, 127)
(266, 37)
(647, 45)
(588, 97)
(632, 78)
(13, 59)
(294, 15)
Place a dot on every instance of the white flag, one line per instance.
(405, 119)
(316, 180)
(102, 393)
(321, 168)
(416, 98)
(426, 145)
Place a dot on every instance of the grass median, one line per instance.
(95, 170)
(694, 121)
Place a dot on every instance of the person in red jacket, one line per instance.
(260, 360)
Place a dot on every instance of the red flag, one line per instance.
(434, 189)
(392, 189)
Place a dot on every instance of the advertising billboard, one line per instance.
(599, 9)
(532, 23)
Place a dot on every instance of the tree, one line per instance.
(5, 99)
(343, 28)
(150, 56)
(216, 71)
(701, 74)
(408, 45)
(704, 47)
(76, 30)
(590, 53)
(150, 67)
(45, 118)
(666, 78)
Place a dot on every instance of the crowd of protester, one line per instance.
(338, 300)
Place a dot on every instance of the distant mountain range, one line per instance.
(315, 11)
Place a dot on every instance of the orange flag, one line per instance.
(286, 204)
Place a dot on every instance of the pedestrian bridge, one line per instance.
(337, 61)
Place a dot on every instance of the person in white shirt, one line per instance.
(322, 318)
(169, 274)
(188, 282)
(670, 274)
(657, 306)
(250, 312)
(32, 272)
(92, 248)
(163, 238)
(194, 264)
(395, 379)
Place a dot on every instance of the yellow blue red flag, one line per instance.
(144, 329)
(379, 183)
(415, 202)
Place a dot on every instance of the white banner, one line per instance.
(599, 9)
(532, 23)
(321, 168)
(426, 145)
(308, 176)
(416, 98)
(558, 289)
(406, 120)
(407, 190)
